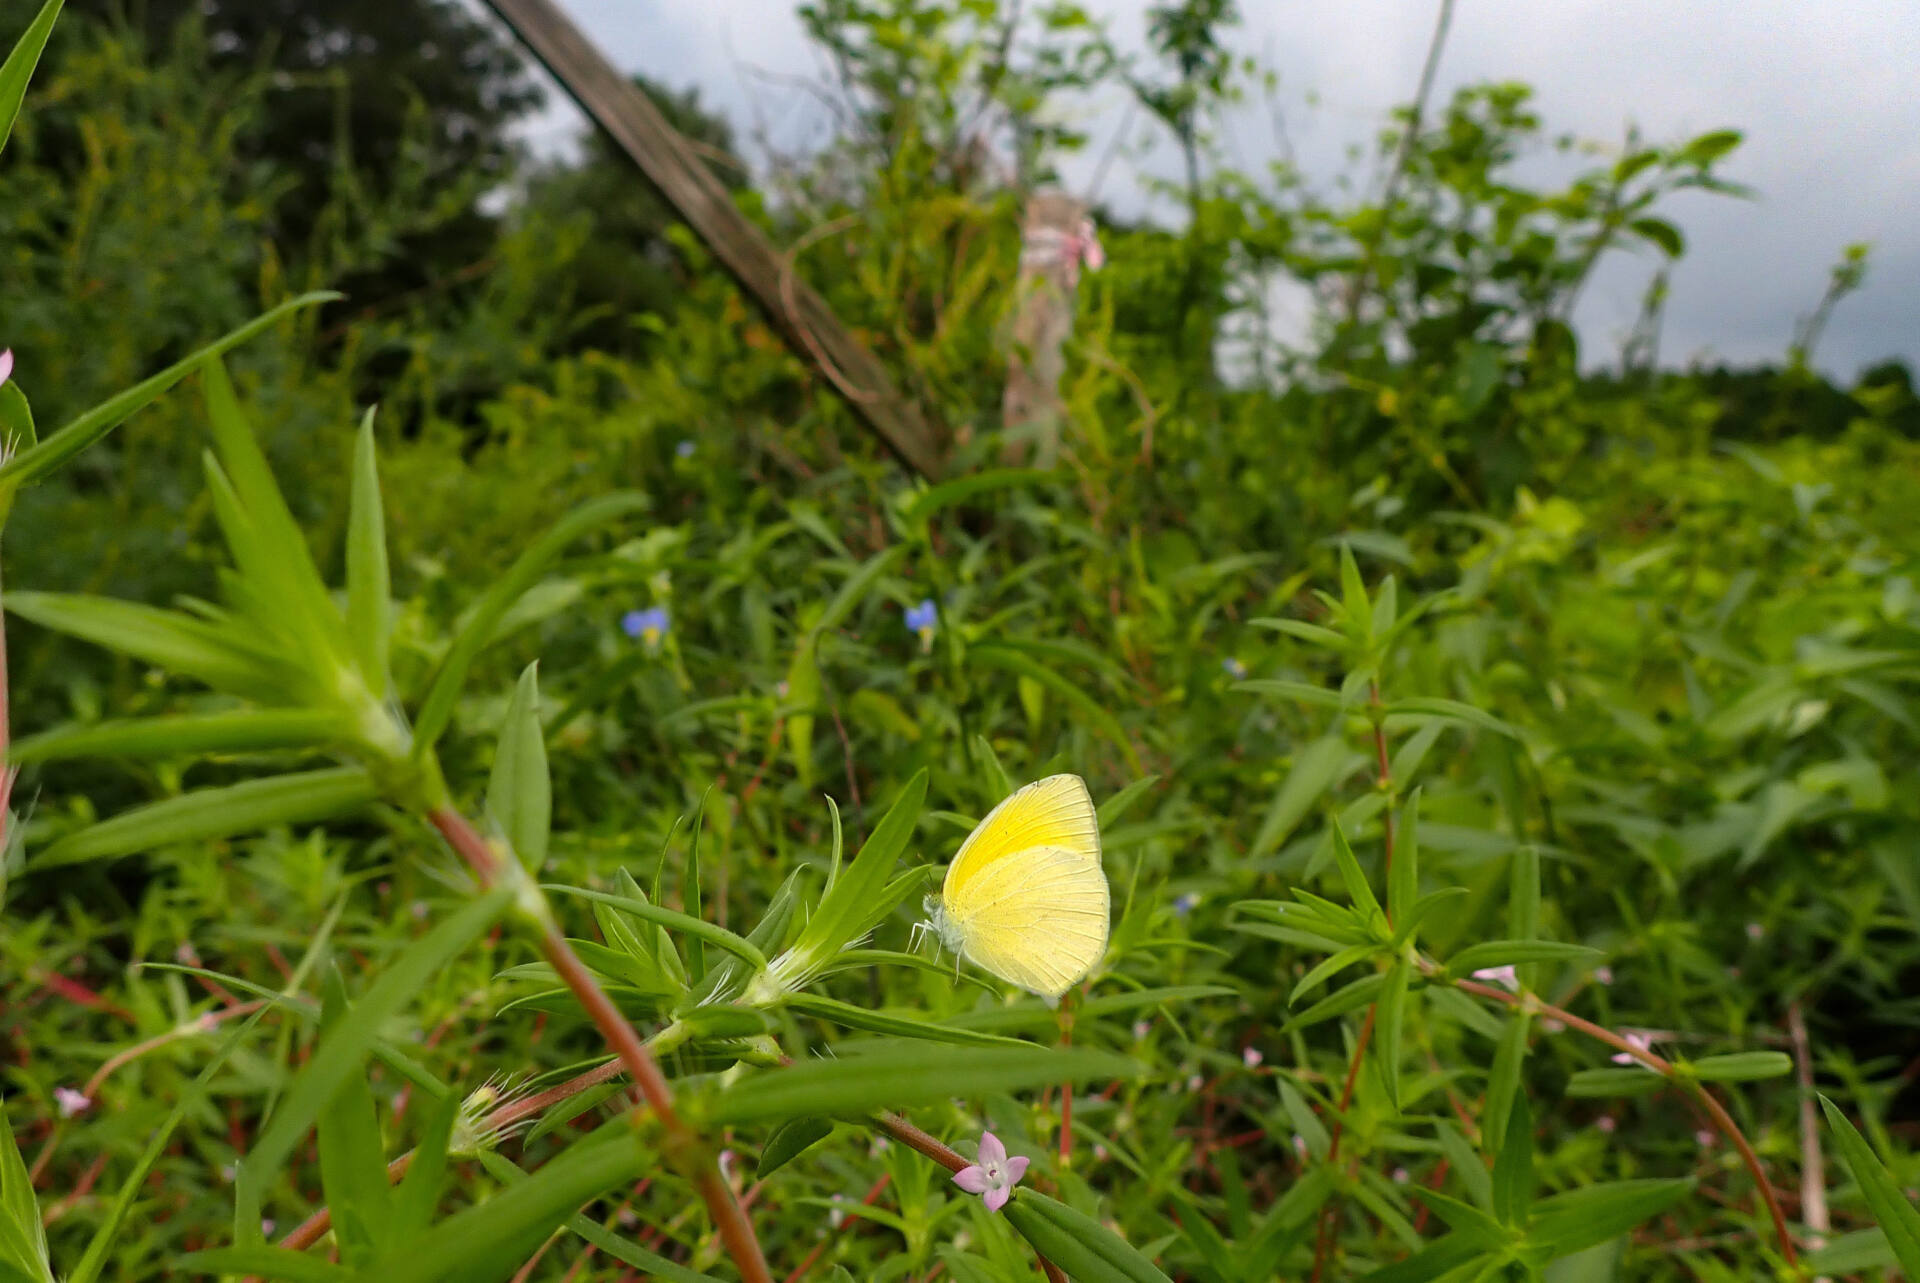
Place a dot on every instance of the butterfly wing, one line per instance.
(1037, 919)
(1054, 812)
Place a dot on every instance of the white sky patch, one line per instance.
(1825, 92)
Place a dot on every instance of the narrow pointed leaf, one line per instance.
(166, 638)
(1891, 1207)
(790, 1140)
(1513, 1170)
(17, 70)
(302, 798)
(251, 730)
(1085, 1249)
(520, 793)
(23, 1241)
(353, 1168)
(369, 589)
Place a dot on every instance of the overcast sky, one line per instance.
(1826, 91)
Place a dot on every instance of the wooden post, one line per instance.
(1056, 239)
(800, 315)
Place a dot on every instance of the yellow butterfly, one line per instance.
(1025, 897)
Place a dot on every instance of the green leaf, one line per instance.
(369, 588)
(165, 638)
(790, 1140)
(1451, 710)
(353, 1166)
(1316, 768)
(1628, 1081)
(1523, 903)
(960, 489)
(845, 911)
(899, 1026)
(520, 792)
(670, 919)
(1329, 967)
(1338, 1003)
(1503, 1080)
(1388, 1018)
(1501, 953)
(894, 1076)
(436, 710)
(1661, 233)
(1584, 1218)
(1403, 875)
(1313, 634)
(265, 1262)
(302, 798)
(417, 1197)
(1008, 659)
(1741, 1066)
(1353, 593)
(17, 70)
(1304, 1120)
(251, 730)
(490, 1240)
(1513, 1170)
(1110, 811)
(1898, 1217)
(1437, 1258)
(55, 449)
(1086, 1250)
(343, 1049)
(1297, 692)
(23, 1240)
(1358, 892)
(1467, 1164)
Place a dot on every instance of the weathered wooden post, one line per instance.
(1056, 240)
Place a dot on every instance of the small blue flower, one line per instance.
(1235, 669)
(923, 620)
(1183, 904)
(649, 625)
(684, 449)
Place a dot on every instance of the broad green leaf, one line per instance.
(17, 70)
(369, 588)
(1629, 1081)
(1741, 1066)
(343, 1050)
(437, 708)
(250, 730)
(520, 793)
(23, 1241)
(491, 1239)
(1318, 767)
(1513, 1169)
(353, 1166)
(1897, 1216)
(1085, 1249)
(892, 1023)
(303, 798)
(62, 444)
(1584, 1218)
(790, 1140)
(893, 1076)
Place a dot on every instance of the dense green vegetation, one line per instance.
(1467, 713)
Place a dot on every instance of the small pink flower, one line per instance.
(1140, 1030)
(1639, 1042)
(1499, 975)
(1552, 1026)
(1251, 1057)
(6, 364)
(994, 1175)
(726, 1165)
(1300, 1146)
(266, 1227)
(1603, 975)
(71, 1102)
(1195, 1082)
(1754, 929)
(1400, 1176)
(1705, 1138)
(1606, 1124)
(1099, 1152)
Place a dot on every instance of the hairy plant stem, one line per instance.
(683, 1145)
(1722, 1120)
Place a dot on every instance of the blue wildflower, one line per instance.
(684, 449)
(1235, 669)
(923, 619)
(649, 625)
(1183, 904)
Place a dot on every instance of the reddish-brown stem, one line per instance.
(682, 1144)
(1066, 1089)
(1722, 1120)
(1384, 781)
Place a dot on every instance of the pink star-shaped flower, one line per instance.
(994, 1175)
(6, 364)
(1639, 1042)
(71, 1102)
